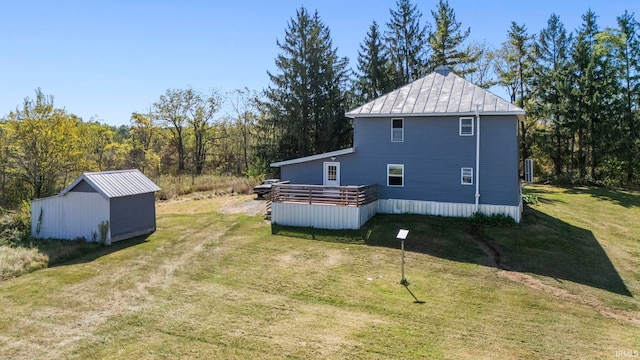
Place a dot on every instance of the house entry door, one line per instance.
(331, 174)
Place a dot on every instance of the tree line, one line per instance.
(44, 148)
(580, 90)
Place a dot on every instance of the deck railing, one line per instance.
(354, 196)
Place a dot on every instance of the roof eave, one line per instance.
(313, 157)
(519, 114)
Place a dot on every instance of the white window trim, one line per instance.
(462, 175)
(401, 137)
(388, 175)
(472, 126)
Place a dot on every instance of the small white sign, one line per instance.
(402, 234)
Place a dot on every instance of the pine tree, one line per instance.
(625, 53)
(406, 42)
(585, 96)
(373, 67)
(307, 98)
(550, 72)
(447, 39)
(515, 75)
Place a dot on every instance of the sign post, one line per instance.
(402, 236)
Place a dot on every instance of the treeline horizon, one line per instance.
(580, 90)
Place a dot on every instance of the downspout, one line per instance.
(478, 159)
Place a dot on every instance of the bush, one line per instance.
(574, 180)
(530, 199)
(15, 227)
(498, 220)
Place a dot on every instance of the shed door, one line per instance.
(331, 174)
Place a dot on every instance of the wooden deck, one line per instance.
(352, 196)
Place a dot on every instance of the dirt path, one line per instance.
(236, 204)
(117, 289)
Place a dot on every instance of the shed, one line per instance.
(98, 206)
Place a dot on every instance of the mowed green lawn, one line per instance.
(214, 285)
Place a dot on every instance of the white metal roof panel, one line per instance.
(112, 184)
(313, 157)
(439, 93)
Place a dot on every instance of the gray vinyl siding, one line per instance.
(308, 173)
(432, 153)
(132, 215)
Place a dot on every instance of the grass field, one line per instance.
(209, 284)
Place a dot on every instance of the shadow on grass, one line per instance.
(550, 247)
(64, 252)
(622, 198)
(406, 286)
(541, 245)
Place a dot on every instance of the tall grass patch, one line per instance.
(18, 261)
(178, 185)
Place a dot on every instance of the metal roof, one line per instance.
(313, 157)
(440, 93)
(112, 184)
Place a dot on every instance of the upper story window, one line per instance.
(466, 126)
(397, 130)
(395, 175)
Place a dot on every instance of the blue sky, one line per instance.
(110, 58)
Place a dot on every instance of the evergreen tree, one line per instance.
(585, 99)
(629, 30)
(447, 39)
(373, 67)
(406, 42)
(307, 98)
(550, 72)
(515, 75)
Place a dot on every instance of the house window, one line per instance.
(466, 126)
(397, 130)
(466, 176)
(395, 175)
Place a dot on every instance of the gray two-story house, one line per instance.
(438, 146)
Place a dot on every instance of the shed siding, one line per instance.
(83, 186)
(433, 153)
(75, 215)
(132, 216)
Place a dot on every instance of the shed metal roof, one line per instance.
(112, 184)
(440, 93)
